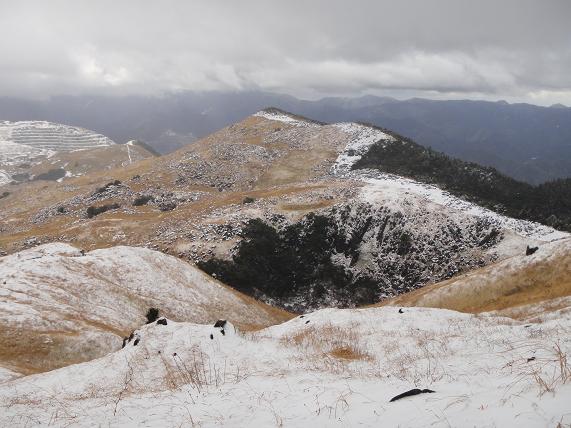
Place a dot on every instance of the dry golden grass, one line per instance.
(348, 353)
(499, 287)
(27, 351)
(286, 174)
(295, 167)
(316, 342)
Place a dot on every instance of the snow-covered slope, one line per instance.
(329, 368)
(284, 117)
(59, 305)
(361, 137)
(396, 191)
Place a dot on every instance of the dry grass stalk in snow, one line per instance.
(319, 344)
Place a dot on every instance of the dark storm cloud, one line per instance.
(514, 49)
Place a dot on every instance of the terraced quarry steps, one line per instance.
(38, 150)
(51, 136)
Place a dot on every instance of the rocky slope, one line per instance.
(276, 167)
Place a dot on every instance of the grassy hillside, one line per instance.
(520, 287)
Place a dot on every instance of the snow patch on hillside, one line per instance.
(279, 116)
(361, 138)
(390, 189)
(328, 368)
(23, 144)
(4, 178)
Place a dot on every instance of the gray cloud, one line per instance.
(513, 49)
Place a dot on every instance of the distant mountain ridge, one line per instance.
(527, 142)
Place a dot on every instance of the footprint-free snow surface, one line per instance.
(60, 305)
(328, 368)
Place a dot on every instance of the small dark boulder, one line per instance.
(410, 393)
(401, 311)
(162, 321)
(248, 200)
(93, 211)
(220, 323)
(142, 200)
(211, 337)
(136, 342)
(167, 205)
(152, 315)
(530, 250)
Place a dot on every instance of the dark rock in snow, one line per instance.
(220, 323)
(530, 250)
(152, 315)
(410, 393)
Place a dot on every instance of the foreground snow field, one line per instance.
(328, 368)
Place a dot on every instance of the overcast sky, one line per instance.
(516, 50)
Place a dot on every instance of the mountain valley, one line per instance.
(338, 275)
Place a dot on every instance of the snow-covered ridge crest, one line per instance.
(282, 116)
(382, 188)
(388, 189)
(362, 137)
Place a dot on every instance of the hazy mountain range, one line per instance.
(527, 142)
